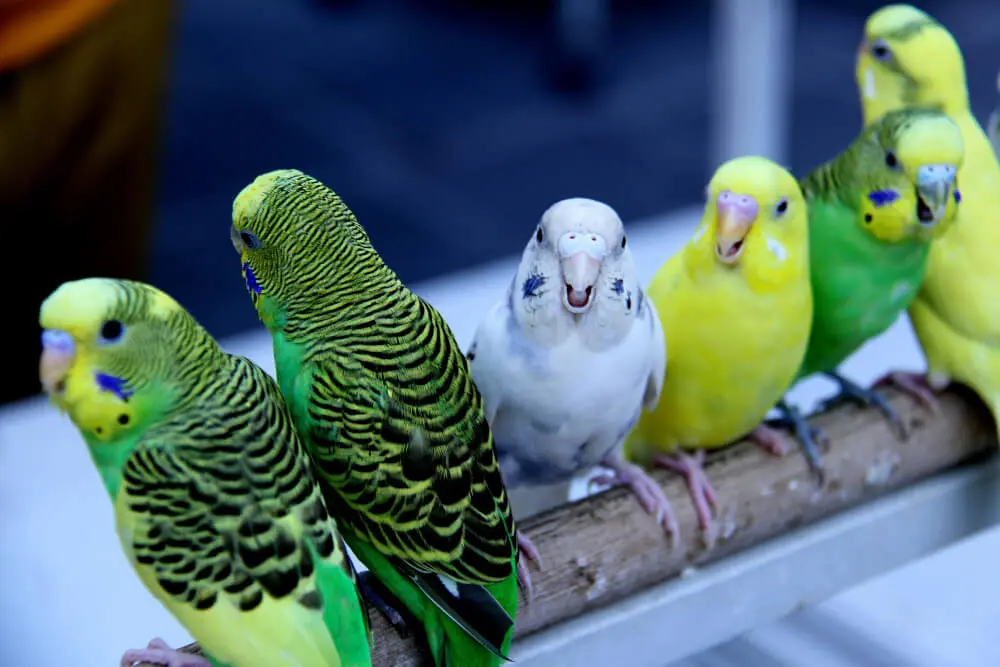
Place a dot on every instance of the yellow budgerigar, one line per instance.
(736, 308)
(907, 58)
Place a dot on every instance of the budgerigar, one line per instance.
(907, 58)
(215, 502)
(571, 355)
(873, 212)
(736, 306)
(383, 396)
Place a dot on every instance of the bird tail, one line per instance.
(464, 625)
(459, 649)
(449, 643)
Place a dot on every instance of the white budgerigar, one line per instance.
(570, 357)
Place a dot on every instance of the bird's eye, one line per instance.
(539, 235)
(880, 50)
(111, 331)
(782, 207)
(250, 240)
(623, 241)
(890, 160)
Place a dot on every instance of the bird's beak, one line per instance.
(935, 183)
(736, 216)
(234, 236)
(581, 255)
(58, 355)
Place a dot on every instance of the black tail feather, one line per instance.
(470, 606)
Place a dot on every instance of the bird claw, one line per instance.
(855, 393)
(530, 552)
(771, 440)
(158, 652)
(699, 487)
(915, 385)
(646, 490)
(367, 582)
(808, 437)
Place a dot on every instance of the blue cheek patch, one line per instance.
(250, 278)
(958, 196)
(618, 286)
(882, 197)
(113, 384)
(531, 285)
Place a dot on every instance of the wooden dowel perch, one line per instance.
(605, 548)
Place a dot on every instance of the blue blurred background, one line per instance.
(449, 126)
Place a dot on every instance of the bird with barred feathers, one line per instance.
(909, 59)
(215, 503)
(383, 397)
(874, 211)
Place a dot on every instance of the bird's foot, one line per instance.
(772, 440)
(699, 487)
(855, 393)
(807, 435)
(367, 584)
(528, 551)
(158, 653)
(917, 385)
(648, 492)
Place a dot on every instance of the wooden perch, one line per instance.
(604, 548)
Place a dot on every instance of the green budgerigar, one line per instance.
(383, 397)
(215, 503)
(873, 212)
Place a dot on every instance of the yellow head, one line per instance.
(298, 244)
(112, 352)
(909, 59)
(754, 207)
(907, 163)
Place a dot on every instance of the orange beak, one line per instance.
(737, 214)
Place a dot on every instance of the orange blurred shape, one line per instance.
(30, 28)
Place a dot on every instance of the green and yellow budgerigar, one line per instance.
(215, 503)
(909, 59)
(736, 307)
(384, 398)
(873, 212)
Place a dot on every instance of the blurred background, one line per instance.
(126, 128)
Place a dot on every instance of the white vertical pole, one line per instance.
(752, 52)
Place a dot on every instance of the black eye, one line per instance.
(538, 235)
(781, 207)
(250, 240)
(623, 241)
(890, 160)
(880, 50)
(111, 331)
